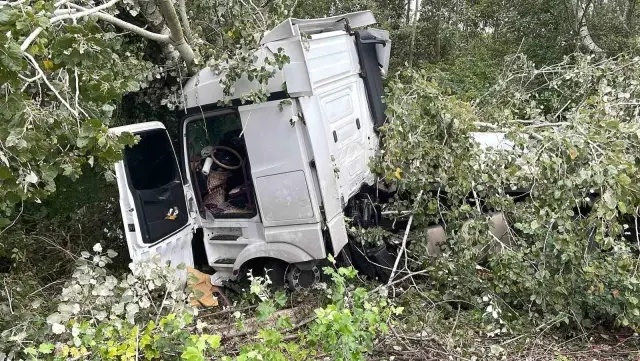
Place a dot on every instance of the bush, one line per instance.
(144, 315)
(575, 134)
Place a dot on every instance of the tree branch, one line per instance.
(12, 3)
(85, 12)
(62, 17)
(184, 19)
(35, 65)
(127, 26)
(96, 12)
(404, 240)
(414, 29)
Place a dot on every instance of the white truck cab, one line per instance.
(264, 181)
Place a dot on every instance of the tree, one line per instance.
(580, 10)
(65, 66)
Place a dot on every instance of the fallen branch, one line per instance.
(176, 34)
(377, 289)
(404, 242)
(252, 325)
(184, 19)
(401, 251)
(227, 311)
(286, 331)
(12, 3)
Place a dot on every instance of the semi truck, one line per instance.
(265, 185)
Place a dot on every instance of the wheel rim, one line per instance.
(299, 279)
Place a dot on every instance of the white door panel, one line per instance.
(156, 207)
(279, 164)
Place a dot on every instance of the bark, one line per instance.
(408, 14)
(437, 35)
(126, 26)
(184, 19)
(413, 32)
(176, 34)
(162, 18)
(156, 23)
(627, 11)
(582, 28)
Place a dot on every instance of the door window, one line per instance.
(151, 162)
(155, 184)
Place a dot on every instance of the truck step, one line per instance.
(224, 237)
(230, 241)
(223, 263)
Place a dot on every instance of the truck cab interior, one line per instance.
(219, 166)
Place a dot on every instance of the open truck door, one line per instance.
(157, 208)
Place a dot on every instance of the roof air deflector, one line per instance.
(292, 27)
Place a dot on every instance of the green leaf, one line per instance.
(281, 298)
(265, 310)
(82, 142)
(46, 348)
(11, 57)
(5, 15)
(624, 179)
(191, 353)
(213, 341)
(5, 172)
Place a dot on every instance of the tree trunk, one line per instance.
(413, 31)
(408, 14)
(627, 11)
(156, 23)
(162, 18)
(176, 34)
(582, 29)
(437, 35)
(184, 19)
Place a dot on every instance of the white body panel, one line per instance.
(283, 180)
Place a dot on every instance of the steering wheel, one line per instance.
(224, 157)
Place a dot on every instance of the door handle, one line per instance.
(358, 123)
(335, 136)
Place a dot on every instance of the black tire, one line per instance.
(276, 270)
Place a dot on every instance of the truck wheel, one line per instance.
(299, 279)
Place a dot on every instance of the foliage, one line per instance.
(62, 91)
(233, 31)
(41, 138)
(347, 327)
(574, 138)
(143, 315)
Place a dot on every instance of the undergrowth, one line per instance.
(144, 315)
